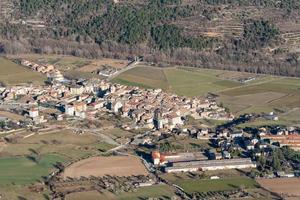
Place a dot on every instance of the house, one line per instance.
(76, 89)
(115, 106)
(33, 112)
(213, 155)
(80, 106)
(236, 134)
(250, 144)
(226, 155)
(70, 109)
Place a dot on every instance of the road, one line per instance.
(97, 132)
(128, 67)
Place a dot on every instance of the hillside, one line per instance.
(258, 36)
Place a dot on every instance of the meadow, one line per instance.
(14, 74)
(182, 81)
(64, 143)
(155, 191)
(22, 170)
(191, 186)
(16, 167)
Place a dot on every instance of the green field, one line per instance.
(64, 143)
(182, 81)
(264, 94)
(12, 74)
(156, 191)
(191, 186)
(21, 170)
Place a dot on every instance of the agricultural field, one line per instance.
(284, 186)
(191, 186)
(12, 192)
(25, 161)
(11, 115)
(71, 66)
(156, 191)
(264, 93)
(183, 81)
(64, 143)
(100, 166)
(14, 74)
(22, 170)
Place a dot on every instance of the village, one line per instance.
(158, 119)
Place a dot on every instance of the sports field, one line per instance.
(12, 74)
(263, 94)
(101, 166)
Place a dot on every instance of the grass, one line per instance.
(145, 77)
(191, 186)
(156, 191)
(102, 146)
(183, 81)
(13, 74)
(64, 143)
(21, 170)
(21, 192)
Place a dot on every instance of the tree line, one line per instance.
(98, 28)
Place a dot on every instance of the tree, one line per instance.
(276, 162)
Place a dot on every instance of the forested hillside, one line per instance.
(260, 36)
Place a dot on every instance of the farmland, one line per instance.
(191, 186)
(62, 146)
(263, 94)
(156, 191)
(64, 143)
(11, 115)
(183, 81)
(71, 66)
(13, 74)
(21, 170)
(285, 186)
(100, 166)
(18, 169)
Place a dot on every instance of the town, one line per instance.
(156, 120)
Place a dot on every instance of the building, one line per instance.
(165, 158)
(70, 109)
(292, 140)
(76, 89)
(33, 112)
(207, 165)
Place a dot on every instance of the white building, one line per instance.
(33, 112)
(70, 110)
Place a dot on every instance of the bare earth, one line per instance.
(287, 186)
(11, 115)
(100, 166)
